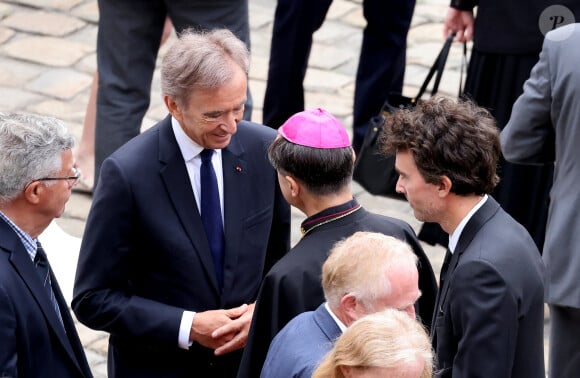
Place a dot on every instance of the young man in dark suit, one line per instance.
(489, 313)
(186, 220)
(37, 334)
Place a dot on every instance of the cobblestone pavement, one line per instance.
(47, 58)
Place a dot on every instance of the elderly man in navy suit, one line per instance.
(489, 312)
(37, 334)
(186, 220)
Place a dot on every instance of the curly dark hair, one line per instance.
(322, 171)
(447, 138)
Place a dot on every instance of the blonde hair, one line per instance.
(358, 265)
(388, 339)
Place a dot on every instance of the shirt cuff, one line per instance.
(185, 329)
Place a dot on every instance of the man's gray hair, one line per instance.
(30, 149)
(201, 60)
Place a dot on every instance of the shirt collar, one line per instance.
(189, 149)
(328, 215)
(454, 238)
(27, 240)
(335, 318)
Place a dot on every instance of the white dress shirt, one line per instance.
(190, 151)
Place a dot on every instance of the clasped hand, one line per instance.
(222, 330)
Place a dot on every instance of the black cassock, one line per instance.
(293, 285)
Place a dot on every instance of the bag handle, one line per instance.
(438, 67)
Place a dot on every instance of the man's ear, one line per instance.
(350, 306)
(445, 186)
(173, 107)
(33, 192)
(294, 185)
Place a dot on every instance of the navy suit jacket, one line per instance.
(33, 342)
(145, 258)
(301, 345)
(489, 315)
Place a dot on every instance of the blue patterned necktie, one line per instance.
(42, 267)
(211, 215)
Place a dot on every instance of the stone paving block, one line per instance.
(88, 64)
(62, 83)
(340, 8)
(64, 110)
(52, 4)
(14, 99)
(261, 40)
(16, 73)
(424, 54)
(100, 345)
(77, 208)
(432, 12)
(259, 67)
(258, 89)
(330, 57)
(86, 334)
(42, 22)
(99, 370)
(317, 79)
(50, 51)
(334, 33)
(355, 18)
(88, 12)
(86, 35)
(430, 32)
(5, 34)
(339, 106)
(260, 15)
(94, 358)
(5, 10)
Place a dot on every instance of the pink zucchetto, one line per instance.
(315, 128)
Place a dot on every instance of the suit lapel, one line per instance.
(326, 323)
(22, 263)
(178, 187)
(481, 216)
(237, 201)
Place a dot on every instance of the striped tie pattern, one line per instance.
(42, 267)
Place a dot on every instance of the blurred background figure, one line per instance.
(85, 154)
(384, 344)
(552, 97)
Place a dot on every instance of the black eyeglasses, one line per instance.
(71, 179)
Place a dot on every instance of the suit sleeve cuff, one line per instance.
(185, 329)
(463, 5)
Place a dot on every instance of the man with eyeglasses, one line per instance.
(37, 333)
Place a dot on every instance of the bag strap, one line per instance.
(463, 70)
(438, 67)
